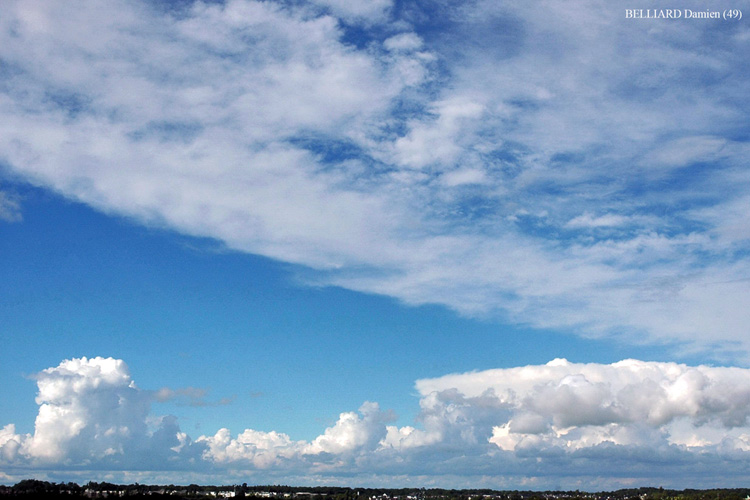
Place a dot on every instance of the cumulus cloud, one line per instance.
(262, 449)
(418, 151)
(545, 423)
(351, 432)
(574, 406)
(10, 443)
(83, 402)
(91, 411)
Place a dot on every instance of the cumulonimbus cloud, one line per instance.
(544, 422)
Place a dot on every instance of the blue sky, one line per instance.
(355, 242)
(271, 349)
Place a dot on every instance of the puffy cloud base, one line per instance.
(585, 426)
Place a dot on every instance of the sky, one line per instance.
(375, 243)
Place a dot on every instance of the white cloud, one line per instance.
(729, 220)
(10, 443)
(351, 431)
(437, 141)
(463, 177)
(574, 406)
(553, 424)
(10, 208)
(408, 437)
(83, 402)
(589, 221)
(687, 150)
(358, 10)
(90, 410)
(403, 42)
(262, 449)
(470, 154)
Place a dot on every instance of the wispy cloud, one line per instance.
(576, 171)
(10, 207)
(190, 396)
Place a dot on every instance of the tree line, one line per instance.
(33, 488)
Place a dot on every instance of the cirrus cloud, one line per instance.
(493, 158)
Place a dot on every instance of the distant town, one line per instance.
(32, 488)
